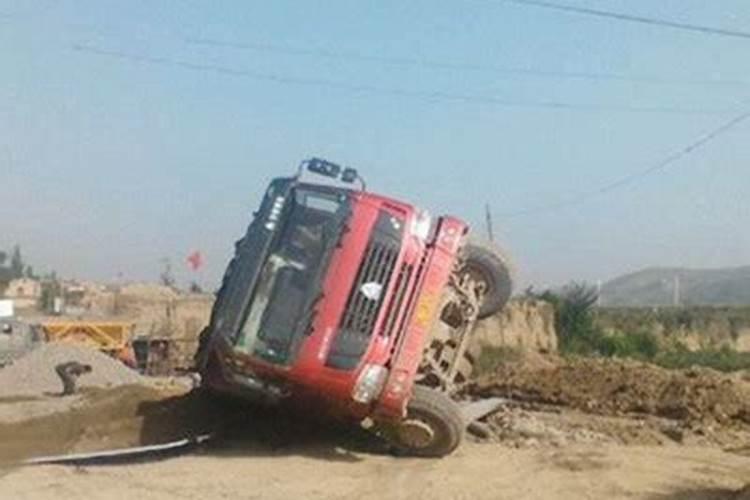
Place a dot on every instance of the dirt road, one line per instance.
(583, 429)
(477, 471)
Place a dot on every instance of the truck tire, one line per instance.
(433, 426)
(487, 265)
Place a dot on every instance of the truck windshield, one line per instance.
(289, 283)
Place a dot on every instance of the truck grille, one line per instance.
(397, 299)
(361, 312)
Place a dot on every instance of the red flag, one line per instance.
(195, 260)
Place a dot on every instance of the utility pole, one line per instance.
(488, 220)
(676, 291)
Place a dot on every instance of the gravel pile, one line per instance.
(34, 374)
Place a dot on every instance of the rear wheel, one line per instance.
(490, 271)
(433, 426)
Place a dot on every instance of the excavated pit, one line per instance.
(101, 419)
(110, 411)
(115, 407)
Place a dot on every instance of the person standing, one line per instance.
(69, 373)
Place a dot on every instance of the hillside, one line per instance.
(656, 287)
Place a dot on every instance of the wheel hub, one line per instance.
(415, 433)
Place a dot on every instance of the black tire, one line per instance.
(491, 268)
(443, 417)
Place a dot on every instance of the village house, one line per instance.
(24, 292)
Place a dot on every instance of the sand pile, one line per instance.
(34, 374)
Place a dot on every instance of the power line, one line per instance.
(372, 89)
(573, 9)
(636, 176)
(434, 64)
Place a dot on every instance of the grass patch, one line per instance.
(724, 359)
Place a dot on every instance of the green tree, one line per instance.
(16, 263)
(5, 275)
(574, 317)
(51, 289)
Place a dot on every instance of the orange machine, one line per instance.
(111, 337)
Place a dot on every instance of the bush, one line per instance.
(578, 334)
(639, 345)
(574, 319)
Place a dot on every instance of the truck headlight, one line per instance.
(370, 383)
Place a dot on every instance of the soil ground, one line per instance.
(323, 471)
(570, 430)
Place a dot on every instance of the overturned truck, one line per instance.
(355, 303)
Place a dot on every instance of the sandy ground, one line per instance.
(477, 471)
(570, 430)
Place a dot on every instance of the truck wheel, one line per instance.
(488, 267)
(433, 426)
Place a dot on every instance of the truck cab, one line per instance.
(331, 298)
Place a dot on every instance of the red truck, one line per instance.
(356, 303)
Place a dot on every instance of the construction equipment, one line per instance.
(363, 305)
(111, 337)
(153, 355)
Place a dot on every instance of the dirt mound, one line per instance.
(617, 388)
(30, 387)
(34, 374)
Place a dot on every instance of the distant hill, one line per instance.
(656, 287)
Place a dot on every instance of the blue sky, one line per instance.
(109, 165)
